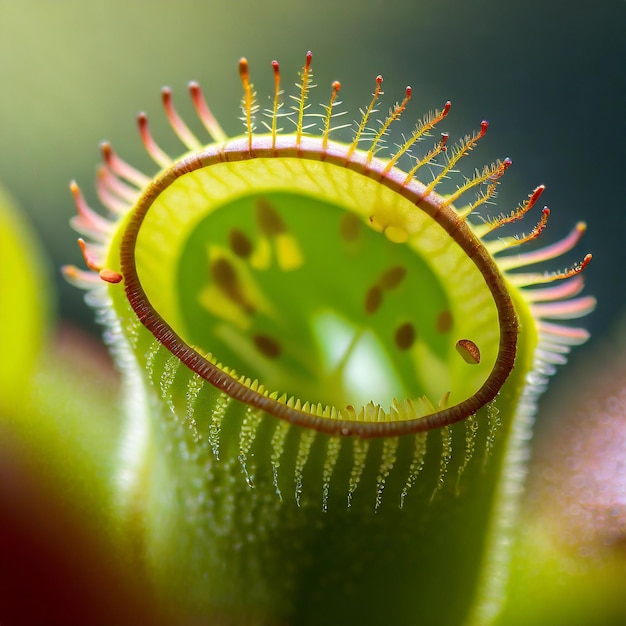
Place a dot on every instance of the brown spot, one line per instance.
(225, 276)
(392, 277)
(373, 299)
(405, 336)
(240, 243)
(268, 218)
(350, 227)
(444, 322)
(267, 346)
(469, 351)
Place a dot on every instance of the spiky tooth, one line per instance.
(348, 413)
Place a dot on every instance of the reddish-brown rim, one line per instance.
(432, 204)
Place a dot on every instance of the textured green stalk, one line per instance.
(219, 546)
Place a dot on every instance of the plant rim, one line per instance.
(310, 148)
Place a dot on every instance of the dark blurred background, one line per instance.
(549, 76)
